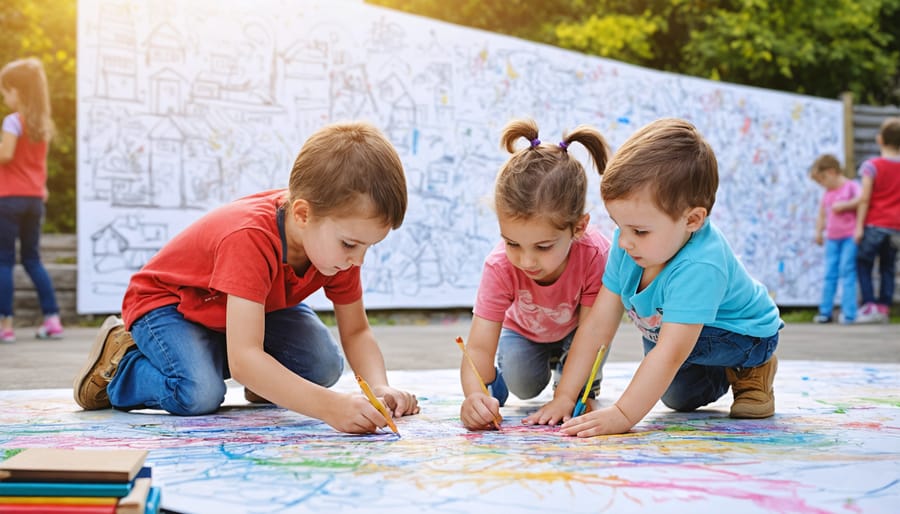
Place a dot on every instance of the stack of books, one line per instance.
(59, 481)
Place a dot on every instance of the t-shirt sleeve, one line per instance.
(612, 276)
(494, 295)
(12, 124)
(693, 293)
(594, 276)
(245, 264)
(345, 287)
(867, 169)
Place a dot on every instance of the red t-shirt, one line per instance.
(26, 173)
(236, 249)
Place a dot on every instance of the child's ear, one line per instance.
(695, 218)
(581, 226)
(300, 210)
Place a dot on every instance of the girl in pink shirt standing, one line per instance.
(837, 221)
(539, 281)
(24, 138)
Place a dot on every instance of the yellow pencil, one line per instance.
(375, 403)
(462, 346)
(582, 403)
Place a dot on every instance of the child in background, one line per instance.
(223, 298)
(837, 221)
(25, 137)
(878, 224)
(539, 282)
(706, 323)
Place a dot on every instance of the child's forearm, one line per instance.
(365, 358)
(483, 361)
(650, 381)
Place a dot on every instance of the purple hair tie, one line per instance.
(563, 145)
(535, 142)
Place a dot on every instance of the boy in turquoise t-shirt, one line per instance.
(706, 323)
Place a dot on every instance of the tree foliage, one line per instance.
(46, 30)
(815, 47)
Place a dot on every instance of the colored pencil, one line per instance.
(462, 346)
(582, 403)
(376, 403)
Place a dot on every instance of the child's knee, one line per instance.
(197, 400)
(327, 370)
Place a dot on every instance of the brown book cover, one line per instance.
(56, 464)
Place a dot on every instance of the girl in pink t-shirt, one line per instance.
(835, 224)
(539, 281)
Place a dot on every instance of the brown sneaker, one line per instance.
(110, 345)
(754, 396)
(252, 397)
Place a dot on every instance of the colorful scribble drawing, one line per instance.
(184, 106)
(833, 447)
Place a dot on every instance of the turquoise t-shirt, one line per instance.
(703, 283)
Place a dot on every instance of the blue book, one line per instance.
(153, 500)
(64, 489)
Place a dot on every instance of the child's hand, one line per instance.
(479, 411)
(608, 420)
(555, 411)
(354, 414)
(400, 403)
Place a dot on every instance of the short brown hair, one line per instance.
(342, 161)
(825, 162)
(671, 158)
(544, 179)
(890, 132)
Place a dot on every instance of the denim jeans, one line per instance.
(877, 243)
(701, 379)
(21, 218)
(181, 367)
(840, 266)
(526, 367)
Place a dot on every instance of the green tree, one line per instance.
(46, 30)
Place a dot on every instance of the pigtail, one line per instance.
(591, 139)
(516, 129)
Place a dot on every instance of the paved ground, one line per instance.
(32, 364)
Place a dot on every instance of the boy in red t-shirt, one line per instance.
(878, 224)
(224, 297)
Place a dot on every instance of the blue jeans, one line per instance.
(525, 366)
(21, 218)
(181, 367)
(840, 265)
(876, 243)
(701, 379)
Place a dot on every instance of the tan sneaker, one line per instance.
(110, 345)
(252, 397)
(754, 396)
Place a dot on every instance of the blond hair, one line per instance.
(27, 78)
(671, 158)
(825, 162)
(544, 179)
(340, 162)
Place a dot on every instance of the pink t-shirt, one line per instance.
(543, 314)
(840, 225)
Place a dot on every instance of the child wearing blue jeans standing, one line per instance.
(539, 282)
(836, 220)
(878, 224)
(224, 297)
(25, 137)
(706, 323)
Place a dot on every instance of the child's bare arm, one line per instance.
(253, 367)
(597, 326)
(478, 411)
(820, 225)
(366, 359)
(651, 380)
(863, 209)
(7, 146)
